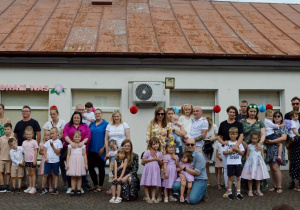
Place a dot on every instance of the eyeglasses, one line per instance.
(295, 104)
(253, 106)
(25, 111)
(160, 114)
(277, 116)
(190, 145)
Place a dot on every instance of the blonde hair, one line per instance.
(210, 122)
(76, 132)
(113, 114)
(233, 130)
(130, 159)
(120, 150)
(28, 129)
(268, 111)
(182, 108)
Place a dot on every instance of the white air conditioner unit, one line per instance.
(148, 92)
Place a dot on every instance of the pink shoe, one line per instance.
(187, 199)
(181, 199)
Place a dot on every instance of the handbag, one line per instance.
(208, 149)
(64, 153)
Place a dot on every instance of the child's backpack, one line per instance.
(208, 149)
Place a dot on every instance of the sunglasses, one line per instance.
(277, 116)
(253, 106)
(190, 145)
(295, 104)
(160, 114)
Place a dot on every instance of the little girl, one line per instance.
(48, 188)
(219, 164)
(120, 170)
(255, 167)
(187, 161)
(113, 149)
(187, 120)
(30, 147)
(170, 172)
(76, 164)
(151, 175)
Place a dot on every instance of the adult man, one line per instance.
(22, 124)
(295, 104)
(199, 172)
(85, 181)
(243, 113)
(199, 128)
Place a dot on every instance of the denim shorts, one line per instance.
(49, 167)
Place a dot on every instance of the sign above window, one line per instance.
(10, 87)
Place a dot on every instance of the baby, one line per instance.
(113, 149)
(176, 125)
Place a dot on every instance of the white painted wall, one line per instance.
(226, 83)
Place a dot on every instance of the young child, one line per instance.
(234, 162)
(119, 173)
(5, 161)
(76, 164)
(176, 125)
(151, 177)
(170, 161)
(113, 149)
(184, 177)
(30, 147)
(187, 120)
(48, 187)
(295, 124)
(270, 126)
(18, 163)
(89, 116)
(255, 167)
(51, 155)
(219, 165)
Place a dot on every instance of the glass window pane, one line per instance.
(261, 97)
(199, 98)
(99, 99)
(21, 98)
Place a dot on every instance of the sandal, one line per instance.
(94, 188)
(109, 191)
(279, 190)
(250, 194)
(259, 193)
(273, 189)
(225, 195)
(99, 189)
(219, 187)
(148, 200)
(155, 200)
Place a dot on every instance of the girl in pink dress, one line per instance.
(255, 167)
(76, 163)
(151, 175)
(48, 187)
(170, 172)
(184, 177)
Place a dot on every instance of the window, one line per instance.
(107, 101)
(203, 98)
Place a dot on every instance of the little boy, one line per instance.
(51, 154)
(18, 163)
(295, 125)
(5, 161)
(234, 163)
(113, 150)
(176, 125)
(270, 126)
(89, 116)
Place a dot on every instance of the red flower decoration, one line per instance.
(133, 110)
(217, 109)
(269, 106)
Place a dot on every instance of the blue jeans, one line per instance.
(197, 192)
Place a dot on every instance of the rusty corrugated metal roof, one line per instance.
(149, 26)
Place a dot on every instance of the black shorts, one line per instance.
(29, 165)
(234, 170)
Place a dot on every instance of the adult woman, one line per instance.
(158, 128)
(211, 135)
(272, 152)
(223, 137)
(3, 120)
(252, 123)
(117, 130)
(76, 124)
(59, 124)
(96, 153)
(131, 186)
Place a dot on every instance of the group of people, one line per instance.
(177, 159)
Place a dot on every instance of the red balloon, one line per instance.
(53, 107)
(269, 106)
(217, 109)
(133, 110)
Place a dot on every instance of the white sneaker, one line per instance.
(82, 191)
(112, 200)
(118, 200)
(27, 190)
(69, 190)
(32, 191)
